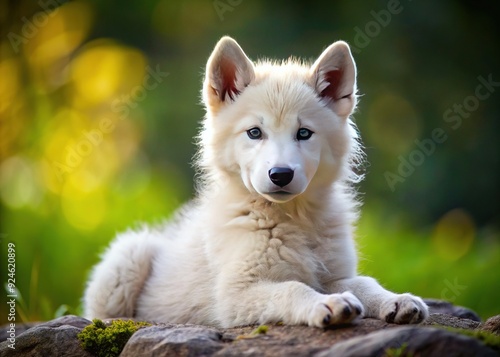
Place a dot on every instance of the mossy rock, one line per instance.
(108, 341)
(489, 339)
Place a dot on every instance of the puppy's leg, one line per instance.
(117, 281)
(381, 303)
(291, 302)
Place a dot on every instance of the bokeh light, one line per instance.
(56, 35)
(83, 203)
(454, 235)
(19, 185)
(103, 70)
(393, 123)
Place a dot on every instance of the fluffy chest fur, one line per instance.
(256, 240)
(267, 245)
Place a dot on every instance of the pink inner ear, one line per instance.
(333, 78)
(228, 73)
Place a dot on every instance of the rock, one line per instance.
(450, 321)
(492, 325)
(69, 320)
(19, 328)
(52, 338)
(168, 341)
(445, 307)
(368, 337)
(410, 341)
(189, 340)
(293, 340)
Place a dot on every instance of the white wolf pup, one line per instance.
(270, 235)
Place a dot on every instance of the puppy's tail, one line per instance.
(117, 281)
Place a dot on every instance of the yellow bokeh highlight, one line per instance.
(9, 83)
(53, 36)
(453, 235)
(58, 136)
(76, 144)
(104, 70)
(64, 126)
(393, 123)
(59, 32)
(11, 104)
(83, 201)
(19, 186)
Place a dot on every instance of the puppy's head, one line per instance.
(280, 128)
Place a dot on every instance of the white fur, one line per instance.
(244, 251)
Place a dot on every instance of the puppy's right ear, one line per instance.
(228, 72)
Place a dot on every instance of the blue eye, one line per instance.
(254, 133)
(304, 134)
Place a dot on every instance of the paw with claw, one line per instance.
(404, 309)
(336, 309)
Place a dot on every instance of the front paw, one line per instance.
(336, 309)
(404, 309)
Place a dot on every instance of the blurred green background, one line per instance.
(99, 102)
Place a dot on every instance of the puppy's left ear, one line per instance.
(333, 76)
(228, 72)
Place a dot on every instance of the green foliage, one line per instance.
(38, 306)
(404, 259)
(64, 310)
(108, 341)
(22, 309)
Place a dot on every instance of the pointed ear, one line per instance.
(228, 72)
(333, 75)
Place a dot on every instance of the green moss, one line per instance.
(397, 352)
(260, 330)
(489, 339)
(108, 341)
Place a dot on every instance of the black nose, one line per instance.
(281, 176)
